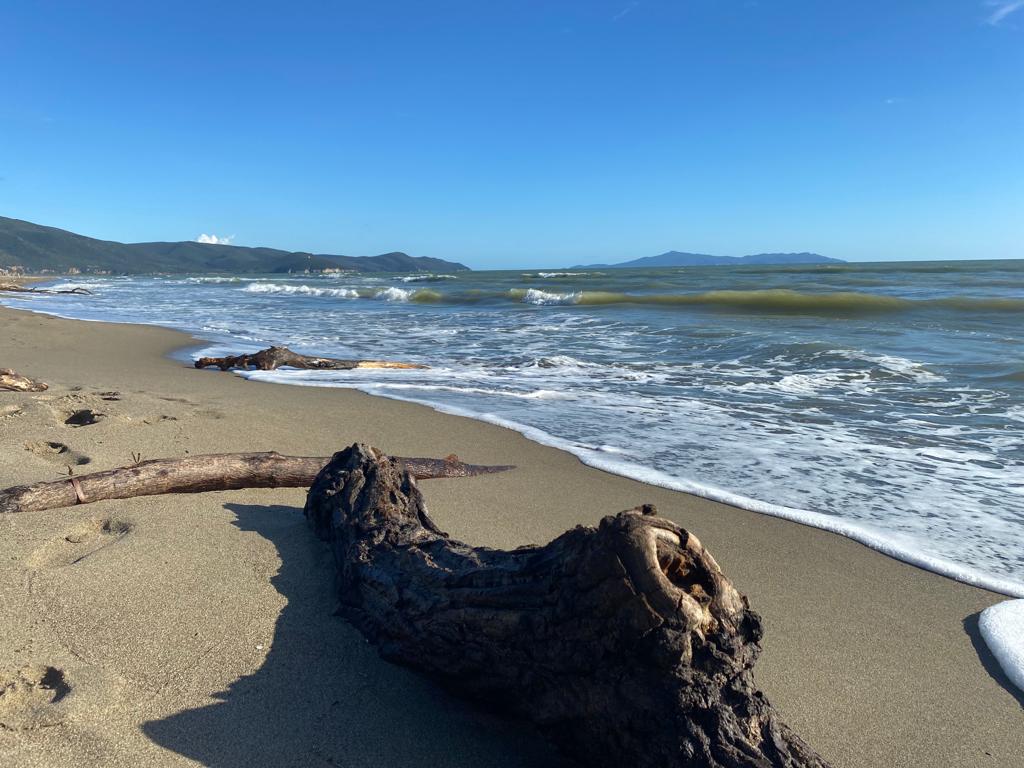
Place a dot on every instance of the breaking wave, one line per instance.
(543, 298)
(383, 294)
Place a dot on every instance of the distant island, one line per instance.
(681, 259)
(27, 248)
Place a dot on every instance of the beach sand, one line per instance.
(200, 630)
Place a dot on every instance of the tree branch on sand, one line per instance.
(625, 643)
(275, 357)
(16, 288)
(197, 474)
(13, 381)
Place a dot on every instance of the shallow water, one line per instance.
(883, 401)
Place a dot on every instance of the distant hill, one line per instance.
(34, 248)
(681, 259)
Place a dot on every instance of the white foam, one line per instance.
(1002, 629)
(543, 298)
(85, 286)
(887, 544)
(426, 278)
(893, 364)
(393, 294)
(909, 474)
(277, 289)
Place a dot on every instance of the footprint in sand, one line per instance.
(32, 697)
(80, 542)
(58, 453)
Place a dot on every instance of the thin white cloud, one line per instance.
(215, 240)
(630, 7)
(1001, 9)
(895, 100)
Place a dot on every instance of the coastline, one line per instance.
(873, 661)
(913, 549)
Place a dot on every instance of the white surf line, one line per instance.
(1002, 629)
(868, 537)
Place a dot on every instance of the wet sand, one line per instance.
(199, 630)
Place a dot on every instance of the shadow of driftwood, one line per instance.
(988, 661)
(324, 698)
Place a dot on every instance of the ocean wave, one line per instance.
(782, 300)
(278, 289)
(427, 278)
(768, 301)
(543, 298)
(898, 366)
(422, 295)
(556, 275)
(85, 285)
(382, 294)
(893, 544)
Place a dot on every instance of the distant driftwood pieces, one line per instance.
(196, 474)
(16, 288)
(625, 643)
(275, 357)
(13, 381)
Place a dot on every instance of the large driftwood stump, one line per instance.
(12, 381)
(276, 357)
(625, 643)
(198, 474)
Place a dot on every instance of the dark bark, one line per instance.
(196, 474)
(16, 288)
(625, 643)
(275, 357)
(13, 381)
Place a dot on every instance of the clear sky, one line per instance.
(522, 133)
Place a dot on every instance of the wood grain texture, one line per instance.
(625, 643)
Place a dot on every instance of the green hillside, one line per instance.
(33, 248)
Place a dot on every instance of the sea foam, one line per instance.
(901, 431)
(276, 289)
(544, 298)
(1002, 628)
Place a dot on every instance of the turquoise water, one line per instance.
(883, 401)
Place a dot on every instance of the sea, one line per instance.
(881, 401)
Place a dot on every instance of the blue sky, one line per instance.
(522, 133)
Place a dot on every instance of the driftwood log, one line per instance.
(13, 381)
(196, 474)
(16, 288)
(276, 357)
(625, 643)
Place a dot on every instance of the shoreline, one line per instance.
(860, 648)
(877, 540)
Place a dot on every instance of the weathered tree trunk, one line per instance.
(15, 382)
(16, 288)
(273, 358)
(625, 643)
(196, 474)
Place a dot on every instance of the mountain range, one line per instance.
(681, 259)
(33, 248)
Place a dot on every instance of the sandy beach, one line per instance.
(200, 630)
